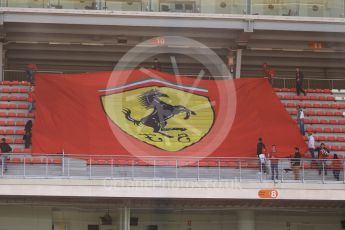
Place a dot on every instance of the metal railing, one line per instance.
(182, 168)
(310, 83)
(324, 8)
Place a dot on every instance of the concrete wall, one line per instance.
(24, 218)
(38, 218)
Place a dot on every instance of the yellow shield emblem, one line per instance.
(164, 117)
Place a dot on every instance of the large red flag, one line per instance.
(153, 113)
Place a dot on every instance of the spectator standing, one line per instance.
(274, 162)
(27, 139)
(336, 165)
(31, 99)
(299, 82)
(300, 119)
(30, 73)
(5, 148)
(296, 164)
(157, 65)
(322, 155)
(311, 144)
(28, 126)
(269, 73)
(260, 151)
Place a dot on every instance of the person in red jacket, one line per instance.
(337, 166)
(30, 72)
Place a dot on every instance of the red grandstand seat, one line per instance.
(11, 114)
(309, 105)
(23, 90)
(327, 130)
(305, 138)
(320, 113)
(341, 122)
(31, 115)
(3, 114)
(310, 129)
(9, 132)
(333, 122)
(336, 130)
(20, 123)
(11, 106)
(22, 106)
(334, 106)
(338, 113)
(343, 130)
(18, 141)
(22, 98)
(3, 106)
(342, 148)
(334, 148)
(5, 90)
(27, 150)
(2, 123)
(315, 121)
(2, 132)
(325, 106)
(318, 130)
(4, 98)
(9, 140)
(324, 121)
(16, 160)
(35, 160)
(341, 139)
(329, 113)
(12, 98)
(320, 138)
(330, 98)
(21, 114)
(291, 105)
(341, 106)
(10, 123)
(293, 112)
(331, 138)
(311, 113)
(314, 98)
(19, 132)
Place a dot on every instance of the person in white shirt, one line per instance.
(311, 144)
(300, 119)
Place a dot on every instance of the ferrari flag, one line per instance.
(150, 113)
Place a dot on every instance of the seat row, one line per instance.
(307, 90)
(11, 132)
(14, 141)
(12, 123)
(315, 105)
(14, 90)
(320, 113)
(14, 98)
(325, 130)
(15, 114)
(14, 83)
(14, 106)
(311, 98)
(20, 160)
(327, 138)
(324, 122)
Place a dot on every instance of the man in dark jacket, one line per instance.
(27, 139)
(299, 82)
(5, 148)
